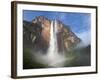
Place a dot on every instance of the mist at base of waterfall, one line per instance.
(56, 60)
(74, 58)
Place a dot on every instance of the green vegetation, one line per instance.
(29, 62)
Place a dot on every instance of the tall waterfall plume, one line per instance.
(55, 59)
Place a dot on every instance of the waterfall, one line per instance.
(54, 58)
(53, 48)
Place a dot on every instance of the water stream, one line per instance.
(54, 57)
(53, 49)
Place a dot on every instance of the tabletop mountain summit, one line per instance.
(36, 35)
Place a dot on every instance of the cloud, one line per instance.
(85, 37)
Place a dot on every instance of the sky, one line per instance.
(79, 23)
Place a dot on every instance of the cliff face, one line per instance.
(36, 34)
(45, 24)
